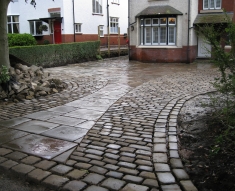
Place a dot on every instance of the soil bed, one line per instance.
(210, 167)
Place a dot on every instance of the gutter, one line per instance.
(107, 13)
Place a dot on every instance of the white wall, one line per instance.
(182, 20)
(27, 12)
(83, 14)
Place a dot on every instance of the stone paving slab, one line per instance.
(40, 146)
(130, 124)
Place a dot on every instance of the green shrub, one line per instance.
(4, 75)
(46, 42)
(57, 54)
(21, 40)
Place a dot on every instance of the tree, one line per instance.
(4, 49)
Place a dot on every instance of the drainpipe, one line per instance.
(107, 13)
(188, 49)
(74, 37)
(129, 28)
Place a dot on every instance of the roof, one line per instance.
(159, 10)
(213, 18)
(46, 20)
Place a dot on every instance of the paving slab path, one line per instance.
(114, 128)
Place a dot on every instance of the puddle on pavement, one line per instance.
(40, 146)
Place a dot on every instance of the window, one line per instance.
(101, 31)
(113, 25)
(34, 27)
(97, 6)
(13, 24)
(158, 31)
(78, 28)
(212, 4)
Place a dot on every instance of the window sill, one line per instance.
(163, 46)
(37, 34)
(78, 33)
(227, 47)
(98, 14)
(115, 3)
(211, 11)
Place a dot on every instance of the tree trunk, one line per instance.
(4, 49)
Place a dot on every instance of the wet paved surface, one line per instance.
(114, 128)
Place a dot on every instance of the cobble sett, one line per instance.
(124, 156)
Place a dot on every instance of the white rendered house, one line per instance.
(70, 20)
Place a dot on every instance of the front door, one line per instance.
(204, 49)
(57, 32)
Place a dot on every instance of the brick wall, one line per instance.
(86, 37)
(228, 5)
(163, 55)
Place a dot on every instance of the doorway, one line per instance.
(57, 32)
(204, 49)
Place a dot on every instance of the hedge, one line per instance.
(56, 54)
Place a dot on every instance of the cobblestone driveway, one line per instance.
(115, 128)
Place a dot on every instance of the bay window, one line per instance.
(34, 27)
(158, 31)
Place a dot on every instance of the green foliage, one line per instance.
(43, 28)
(46, 42)
(4, 75)
(98, 57)
(57, 54)
(225, 83)
(21, 40)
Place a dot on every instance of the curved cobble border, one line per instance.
(133, 146)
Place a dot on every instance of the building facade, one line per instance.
(165, 30)
(212, 12)
(70, 20)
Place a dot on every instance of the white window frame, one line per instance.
(158, 26)
(78, 27)
(209, 4)
(11, 22)
(171, 25)
(34, 33)
(116, 1)
(97, 6)
(114, 23)
(101, 27)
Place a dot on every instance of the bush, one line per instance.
(46, 42)
(56, 54)
(225, 82)
(4, 75)
(21, 40)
